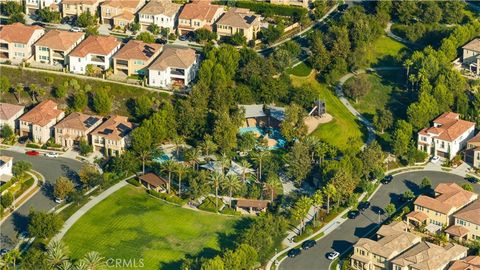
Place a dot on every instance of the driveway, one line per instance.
(51, 168)
(350, 231)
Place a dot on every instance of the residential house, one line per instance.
(74, 128)
(428, 256)
(154, 182)
(472, 154)
(38, 122)
(392, 240)
(134, 57)
(471, 56)
(55, 45)
(447, 137)
(162, 13)
(469, 263)
(438, 211)
(302, 3)
(31, 6)
(467, 223)
(112, 136)
(174, 67)
(6, 165)
(239, 20)
(198, 14)
(16, 41)
(251, 206)
(72, 8)
(94, 50)
(9, 113)
(119, 13)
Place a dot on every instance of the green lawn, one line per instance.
(302, 70)
(344, 131)
(132, 225)
(385, 51)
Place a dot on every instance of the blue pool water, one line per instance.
(161, 159)
(273, 133)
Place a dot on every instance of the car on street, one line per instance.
(183, 38)
(294, 252)
(51, 154)
(32, 153)
(76, 29)
(435, 159)
(333, 255)
(362, 206)
(41, 24)
(387, 179)
(308, 244)
(353, 214)
(58, 200)
(472, 180)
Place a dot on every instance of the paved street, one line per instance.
(51, 168)
(348, 233)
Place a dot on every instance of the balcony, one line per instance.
(98, 58)
(121, 64)
(59, 54)
(177, 72)
(3, 46)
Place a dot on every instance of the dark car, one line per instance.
(353, 214)
(32, 153)
(472, 180)
(362, 206)
(41, 24)
(387, 179)
(183, 38)
(294, 252)
(23, 139)
(308, 244)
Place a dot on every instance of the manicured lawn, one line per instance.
(302, 70)
(343, 131)
(132, 225)
(385, 51)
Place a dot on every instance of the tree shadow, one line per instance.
(47, 190)
(20, 222)
(69, 173)
(340, 246)
(414, 187)
(363, 231)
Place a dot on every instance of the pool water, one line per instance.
(273, 133)
(161, 159)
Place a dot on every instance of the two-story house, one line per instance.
(239, 20)
(468, 263)
(72, 8)
(471, 56)
(9, 113)
(198, 14)
(392, 240)
(119, 12)
(16, 41)
(6, 166)
(55, 45)
(94, 50)
(31, 6)
(74, 128)
(161, 13)
(112, 136)
(447, 137)
(134, 57)
(38, 123)
(472, 153)
(174, 67)
(438, 212)
(467, 223)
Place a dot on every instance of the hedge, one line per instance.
(266, 8)
(209, 204)
(134, 182)
(164, 196)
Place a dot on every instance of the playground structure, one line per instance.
(319, 108)
(318, 115)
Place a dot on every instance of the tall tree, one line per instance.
(232, 184)
(272, 184)
(169, 167)
(299, 163)
(63, 187)
(293, 126)
(180, 171)
(102, 102)
(142, 144)
(216, 180)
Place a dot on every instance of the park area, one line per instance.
(130, 224)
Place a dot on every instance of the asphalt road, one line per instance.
(350, 231)
(51, 169)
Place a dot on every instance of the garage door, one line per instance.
(442, 154)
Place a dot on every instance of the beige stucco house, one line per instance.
(9, 113)
(239, 20)
(467, 223)
(471, 56)
(468, 263)
(198, 14)
(161, 13)
(134, 57)
(472, 153)
(55, 45)
(16, 41)
(38, 123)
(77, 7)
(112, 136)
(74, 128)
(118, 12)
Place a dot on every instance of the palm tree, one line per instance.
(259, 157)
(94, 260)
(311, 142)
(208, 146)
(225, 161)
(193, 156)
(17, 91)
(169, 167)
(272, 184)
(215, 180)
(66, 265)
(56, 253)
(10, 259)
(407, 64)
(178, 141)
(300, 209)
(180, 170)
(317, 200)
(81, 265)
(245, 166)
(330, 191)
(232, 184)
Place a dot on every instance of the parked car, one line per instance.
(294, 252)
(32, 153)
(362, 206)
(41, 24)
(23, 140)
(183, 38)
(387, 179)
(58, 200)
(435, 159)
(51, 154)
(76, 29)
(333, 255)
(353, 214)
(308, 244)
(472, 179)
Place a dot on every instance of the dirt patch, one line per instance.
(313, 122)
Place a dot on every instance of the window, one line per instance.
(19, 45)
(138, 62)
(19, 54)
(43, 49)
(43, 57)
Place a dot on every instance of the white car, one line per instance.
(333, 255)
(76, 29)
(51, 154)
(435, 159)
(58, 200)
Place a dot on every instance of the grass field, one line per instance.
(385, 51)
(344, 131)
(301, 70)
(132, 225)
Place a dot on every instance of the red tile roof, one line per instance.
(199, 10)
(174, 58)
(43, 113)
(59, 40)
(7, 111)
(136, 49)
(18, 32)
(102, 45)
(449, 128)
(115, 128)
(451, 196)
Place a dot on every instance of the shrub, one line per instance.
(33, 145)
(6, 199)
(134, 182)
(209, 205)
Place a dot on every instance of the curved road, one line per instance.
(51, 168)
(350, 231)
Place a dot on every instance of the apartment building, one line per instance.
(94, 50)
(78, 7)
(134, 57)
(198, 14)
(472, 153)
(55, 45)
(447, 137)
(238, 20)
(438, 211)
(9, 113)
(469, 263)
(471, 56)
(16, 41)
(112, 136)
(31, 6)
(467, 223)
(174, 67)
(74, 128)
(116, 12)
(38, 123)
(161, 13)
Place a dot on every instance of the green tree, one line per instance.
(80, 101)
(84, 147)
(86, 19)
(358, 88)
(93, 260)
(213, 264)
(426, 183)
(272, 184)
(301, 208)
(4, 84)
(408, 195)
(154, 29)
(401, 137)
(146, 37)
(49, 16)
(420, 113)
(225, 132)
(17, 17)
(102, 102)
(91, 30)
(216, 180)
(59, 91)
(169, 167)
(260, 157)
(6, 132)
(43, 225)
(135, 27)
(203, 34)
(467, 187)
(383, 119)
(293, 127)
(320, 58)
(143, 107)
(317, 200)
(63, 187)
(56, 253)
(142, 144)
(299, 162)
(390, 209)
(6, 199)
(20, 167)
(10, 7)
(180, 170)
(89, 175)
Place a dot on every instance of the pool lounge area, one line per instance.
(274, 137)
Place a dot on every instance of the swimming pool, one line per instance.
(162, 158)
(273, 133)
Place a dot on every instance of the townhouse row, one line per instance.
(46, 121)
(165, 66)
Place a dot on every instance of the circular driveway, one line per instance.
(51, 169)
(342, 238)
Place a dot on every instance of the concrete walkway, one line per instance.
(388, 31)
(89, 205)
